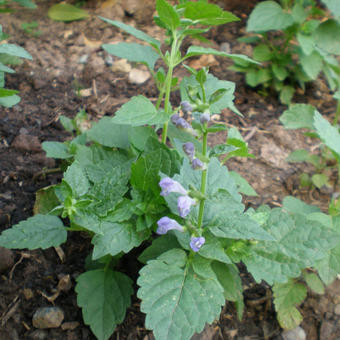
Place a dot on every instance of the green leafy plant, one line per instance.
(177, 205)
(9, 54)
(31, 28)
(294, 43)
(300, 116)
(6, 8)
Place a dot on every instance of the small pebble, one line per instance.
(6, 259)
(27, 143)
(225, 47)
(297, 333)
(109, 60)
(137, 76)
(337, 309)
(38, 334)
(48, 317)
(69, 326)
(83, 59)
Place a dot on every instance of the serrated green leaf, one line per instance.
(207, 14)
(313, 282)
(133, 52)
(177, 301)
(39, 231)
(312, 64)
(110, 134)
(139, 111)
(327, 133)
(116, 238)
(76, 178)
(66, 12)
(104, 296)
(133, 31)
(167, 14)
(298, 116)
(267, 16)
(256, 77)
(286, 297)
(296, 206)
(213, 250)
(327, 36)
(56, 150)
(229, 278)
(242, 185)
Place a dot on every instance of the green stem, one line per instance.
(203, 180)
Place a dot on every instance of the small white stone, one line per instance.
(225, 47)
(297, 333)
(137, 76)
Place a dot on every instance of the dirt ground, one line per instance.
(70, 71)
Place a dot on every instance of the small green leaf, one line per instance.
(133, 31)
(286, 297)
(7, 93)
(167, 14)
(306, 42)
(298, 156)
(133, 52)
(45, 200)
(66, 12)
(243, 186)
(327, 36)
(280, 72)
(262, 53)
(327, 133)
(286, 94)
(104, 296)
(4, 68)
(26, 3)
(329, 267)
(313, 282)
(311, 64)
(56, 150)
(256, 77)
(298, 116)
(296, 206)
(267, 16)
(15, 50)
(76, 178)
(139, 111)
(191, 300)
(39, 231)
(319, 180)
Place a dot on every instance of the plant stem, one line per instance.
(337, 114)
(203, 180)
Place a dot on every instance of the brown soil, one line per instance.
(49, 86)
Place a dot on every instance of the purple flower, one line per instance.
(205, 117)
(174, 118)
(165, 224)
(186, 107)
(189, 149)
(184, 204)
(182, 123)
(197, 164)
(169, 185)
(196, 243)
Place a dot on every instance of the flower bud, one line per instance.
(182, 123)
(174, 118)
(186, 106)
(184, 204)
(205, 117)
(197, 164)
(165, 224)
(196, 243)
(189, 150)
(168, 185)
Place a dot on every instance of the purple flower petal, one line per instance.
(184, 204)
(186, 106)
(189, 149)
(182, 123)
(197, 164)
(205, 117)
(168, 185)
(174, 118)
(196, 243)
(165, 224)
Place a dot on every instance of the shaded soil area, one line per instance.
(69, 72)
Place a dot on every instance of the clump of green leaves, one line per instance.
(294, 43)
(9, 54)
(123, 185)
(6, 8)
(305, 116)
(31, 28)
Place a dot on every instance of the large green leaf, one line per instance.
(133, 52)
(167, 14)
(133, 31)
(298, 116)
(327, 36)
(66, 12)
(39, 231)
(104, 296)
(116, 238)
(334, 7)
(311, 64)
(328, 134)
(139, 111)
(177, 301)
(110, 134)
(207, 14)
(15, 50)
(286, 297)
(299, 243)
(267, 16)
(329, 267)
